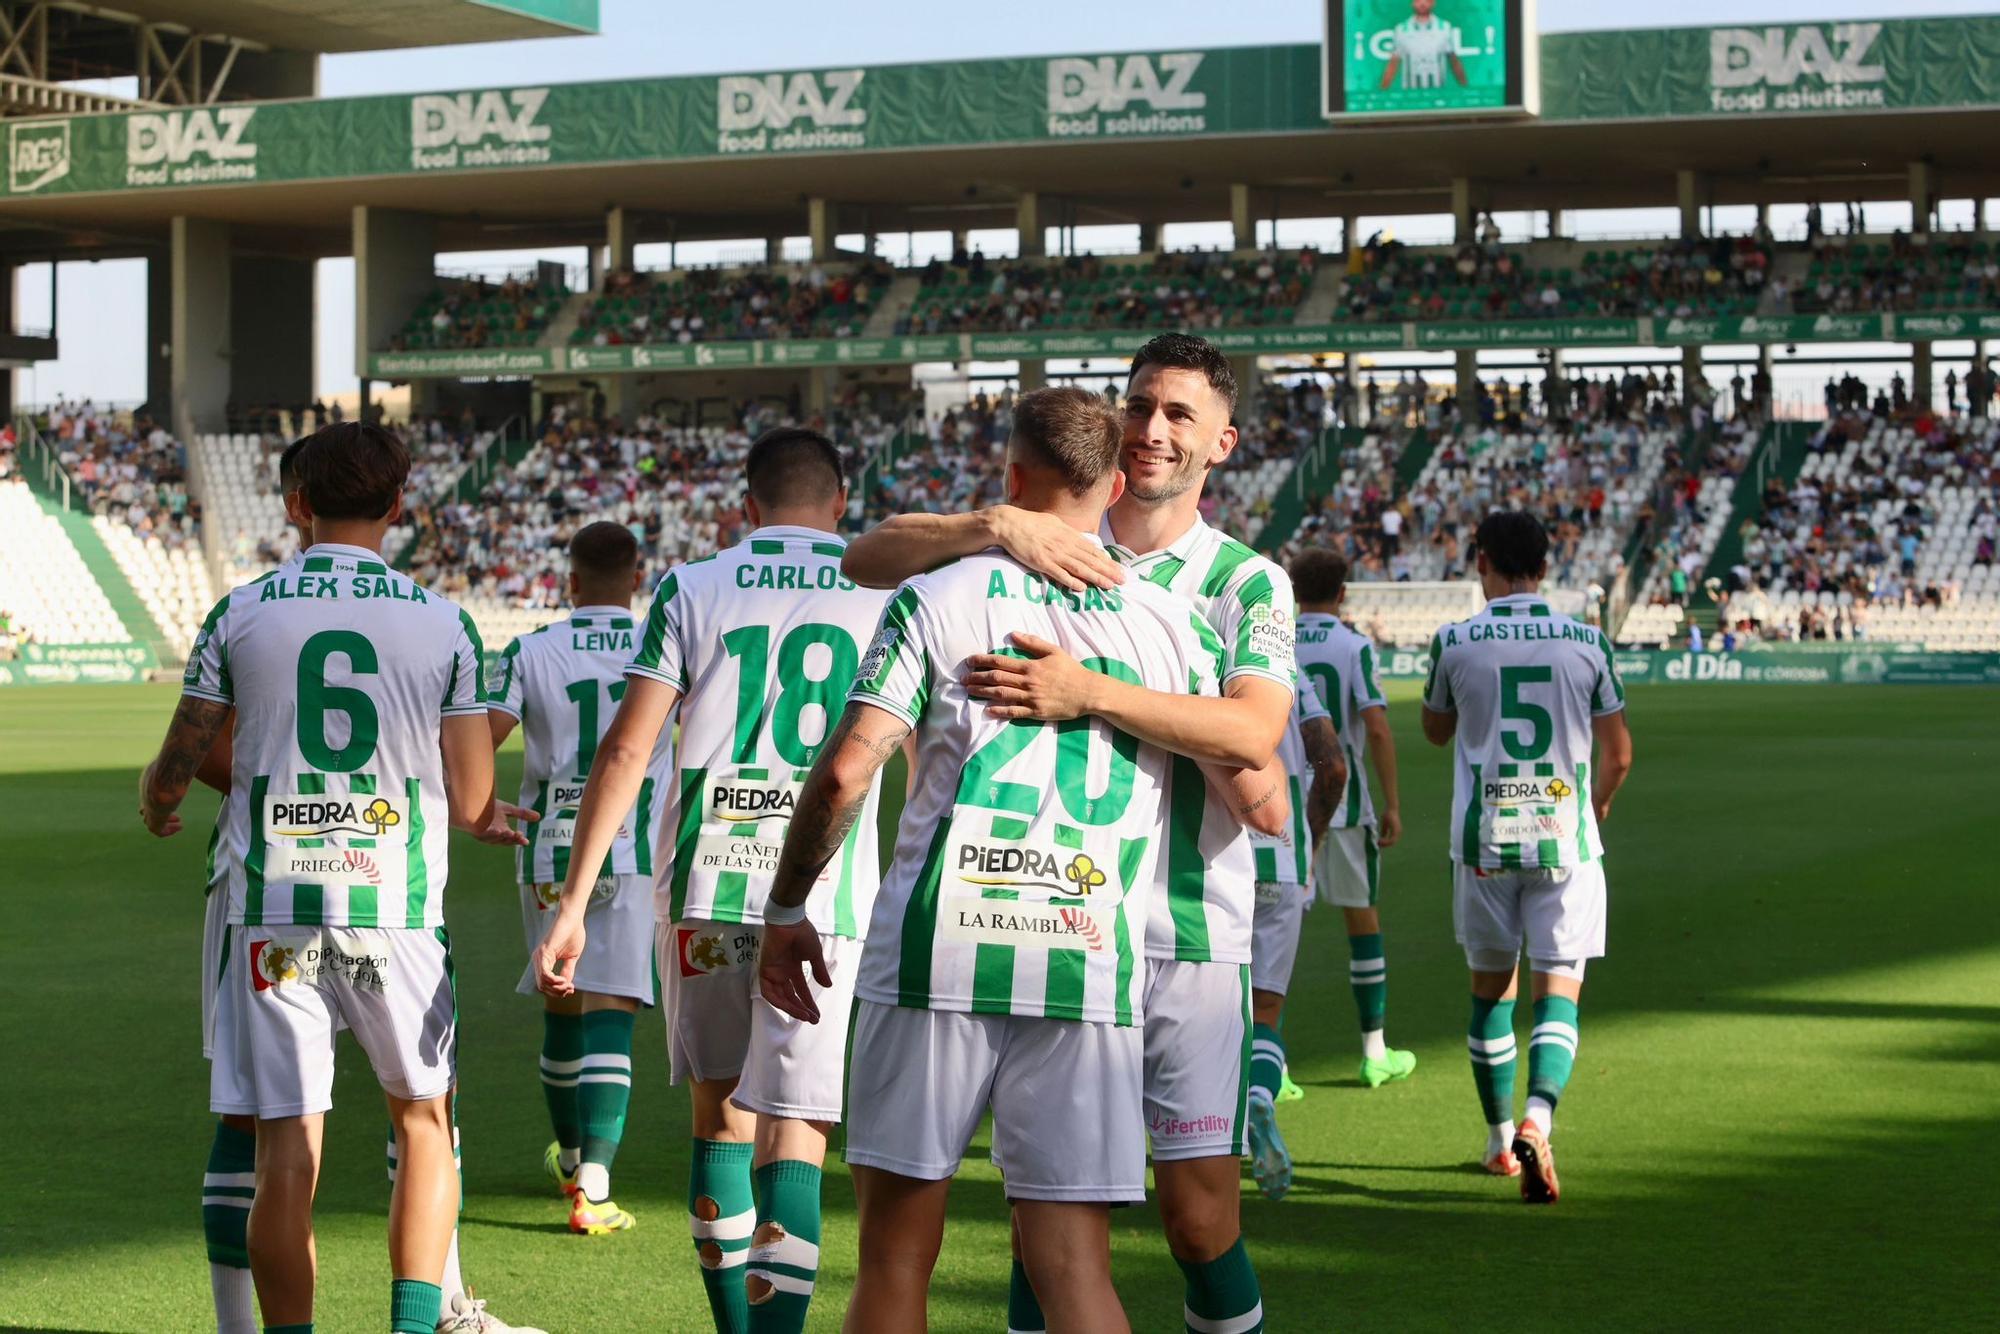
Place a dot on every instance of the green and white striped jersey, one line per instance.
(1422, 46)
(340, 670)
(1525, 682)
(1023, 869)
(763, 640)
(562, 683)
(1285, 859)
(1340, 663)
(1207, 874)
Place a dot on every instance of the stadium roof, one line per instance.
(328, 26)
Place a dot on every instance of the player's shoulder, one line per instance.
(1235, 566)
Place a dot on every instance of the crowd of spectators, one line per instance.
(1484, 279)
(479, 312)
(126, 466)
(1909, 272)
(720, 305)
(1171, 290)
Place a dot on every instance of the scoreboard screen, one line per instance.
(1395, 58)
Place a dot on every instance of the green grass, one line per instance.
(1783, 1112)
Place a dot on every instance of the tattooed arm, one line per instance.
(164, 784)
(829, 803)
(1256, 795)
(1329, 771)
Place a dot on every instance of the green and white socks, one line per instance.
(414, 1306)
(1551, 1055)
(784, 1250)
(722, 1214)
(1490, 1042)
(1222, 1294)
(603, 1093)
(1368, 973)
(228, 1187)
(1267, 1063)
(562, 1063)
(1024, 1312)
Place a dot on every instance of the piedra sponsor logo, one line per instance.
(1524, 791)
(756, 113)
(1017, 866)
(200, 147)
(1805, 67)
(494, 128)
(37, 154)
(748, 800)
(1093, 97)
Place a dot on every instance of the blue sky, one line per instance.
(103, 305)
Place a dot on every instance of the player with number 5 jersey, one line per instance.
(757, 644)
(1533, 700)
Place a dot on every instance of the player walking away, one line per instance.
(1315, 775)
(1526, 691)
(1339, 661)
(759, 645)
(357, 693)
(562, 685)
(1002, 968)
(1422, 46)
(1179, 399)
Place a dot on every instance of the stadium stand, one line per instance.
(716, 305)
(49, 593)
(1920, 272)
(480, 312)
(1171, 290)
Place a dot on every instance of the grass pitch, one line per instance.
(1783, 1111)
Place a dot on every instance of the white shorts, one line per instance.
(719, 1027)
(618, 936)
(1347, 867)
(1197, 1058)
(214, 948)
(1558, 914)
(1274, 934)
(284, 993)
(1065, 1097)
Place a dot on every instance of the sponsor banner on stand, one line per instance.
(1885, 664)
(78, 664)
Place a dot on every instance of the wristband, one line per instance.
(777, 914)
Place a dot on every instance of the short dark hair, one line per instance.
(1318, 574)
(1515, 543)
(1070, 431)
(1186, 352)
(288, 466)
(352, 471)
(793, 465)
(603, 550)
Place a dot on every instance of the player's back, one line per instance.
(340, 670)
(1023, 865)
(763, 639)
(1340, 663)
(1525, 682)
(564, 683)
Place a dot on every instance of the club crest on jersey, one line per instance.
(702, 951)
(1270, 632)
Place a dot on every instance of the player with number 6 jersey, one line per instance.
(562, 685)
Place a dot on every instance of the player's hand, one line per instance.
(1050, 547)
(555, 959)
(1389, 828)
(498, 831)
(1048, 684)
(162, 824)
(1602, 805)
(782, 961)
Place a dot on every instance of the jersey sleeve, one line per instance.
(660, 656)
(207, 675)
(895, 673)
(1367, 689)
(465, 691)
(1607, 694)
(504, 693)
(1437, 685)
(1255, 622)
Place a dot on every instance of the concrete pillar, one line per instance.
(271, 318)
(819, 389)
(1350, 396)
(160, 336)
(9, 304)
(1921, 182)
(1242, 217)
(1466, 371)
(819, 226)
(1028, 224)
(1556, 223)
(621, 237)
(1149, 238)
(1920, 374)
(1461, 210)
(200, 324)
(961, 239)
(1349, 225)
(395, 267)
(1767, 365)
(1249, 387)
(1034, 374)
(1687, 191)
(1690, 372)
